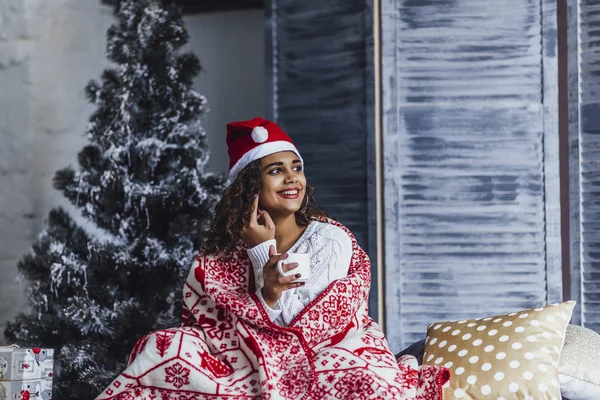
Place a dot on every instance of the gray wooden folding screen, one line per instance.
(470, 146)
(472, 221)
(320, 59)
(584, 158)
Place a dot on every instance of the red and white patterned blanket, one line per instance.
(228, 348)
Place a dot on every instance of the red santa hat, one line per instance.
(252, 140)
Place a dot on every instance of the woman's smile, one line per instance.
(289, 193)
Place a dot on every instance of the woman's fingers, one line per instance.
(254, 212)
(294, 285)
(286, 280)
(289, 267)
(275, 258)
(267, 219)
(274, 280)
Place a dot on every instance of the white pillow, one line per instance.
(578, 389)
(579, 364)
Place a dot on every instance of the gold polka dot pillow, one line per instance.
(510, 356)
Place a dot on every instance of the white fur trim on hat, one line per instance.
(260, 134)
(261, 151)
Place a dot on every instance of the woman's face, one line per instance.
(283, 183)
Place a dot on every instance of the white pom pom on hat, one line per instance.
(260, 134)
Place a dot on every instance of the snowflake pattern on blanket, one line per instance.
(228, 348)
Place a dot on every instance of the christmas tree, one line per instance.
(141, 183)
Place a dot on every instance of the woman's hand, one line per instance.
(274, 283)
(260, 227)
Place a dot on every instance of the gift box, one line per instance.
(36, 389)
(20, 364)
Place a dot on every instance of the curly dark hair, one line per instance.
(232, 212)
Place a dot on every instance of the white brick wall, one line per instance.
(49, 50)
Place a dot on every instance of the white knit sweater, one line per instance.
(330, 250)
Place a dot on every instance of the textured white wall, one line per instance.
(49, 50)
(16, 203)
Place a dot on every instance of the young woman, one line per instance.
(269, 207)
(251, 329)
